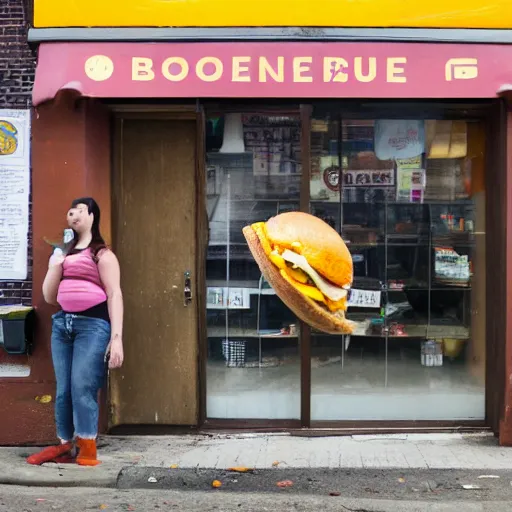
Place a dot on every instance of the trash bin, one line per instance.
(16, 329)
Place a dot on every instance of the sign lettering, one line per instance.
(274, 70)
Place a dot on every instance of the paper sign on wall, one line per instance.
(14, 193)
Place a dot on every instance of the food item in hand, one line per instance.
(308, 265)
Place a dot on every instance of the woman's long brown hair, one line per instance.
(97, 241)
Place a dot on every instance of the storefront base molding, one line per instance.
(30, 420)
(505, 434)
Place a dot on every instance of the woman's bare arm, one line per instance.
(52, 279)
(110, 274)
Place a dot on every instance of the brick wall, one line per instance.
(17, 64)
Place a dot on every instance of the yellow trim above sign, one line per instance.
(491, 14)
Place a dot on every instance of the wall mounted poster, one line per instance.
(14, 193)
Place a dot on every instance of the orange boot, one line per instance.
(51, 454)
(86, 452)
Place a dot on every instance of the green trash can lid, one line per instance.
(14, 312)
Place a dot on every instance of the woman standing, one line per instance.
(85, 283)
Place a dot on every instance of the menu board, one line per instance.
(14, 193)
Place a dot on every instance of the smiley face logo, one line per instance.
(99, 68)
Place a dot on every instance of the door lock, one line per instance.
(187, 289)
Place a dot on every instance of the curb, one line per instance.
(59, 478)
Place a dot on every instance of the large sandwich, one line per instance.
(308, 265)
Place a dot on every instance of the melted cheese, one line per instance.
(310, 291)
(259, 229)
(334, 293)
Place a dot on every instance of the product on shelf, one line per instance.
(451, 267)
(308, 265)
(431, 353)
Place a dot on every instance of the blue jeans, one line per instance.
(79, 344)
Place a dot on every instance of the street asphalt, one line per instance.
(30, 499)
(424, 485)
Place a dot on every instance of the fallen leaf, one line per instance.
(285, 483)
(241, 469)
(174, 466)
(401, 480)
(335, 493)
(275, 463)
(103, 507)
(152, 480)
(216, 484)
(44, 399)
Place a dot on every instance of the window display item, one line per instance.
(326, 185)
(446, 139)
(396, 329)
(450, 267)
(411, 181)
(233, 140)
(452, 347)
(364, 298)
(233, 352)
(395, 138)
(369, 178)
(232, 298)
(308, 265)
(431, 353)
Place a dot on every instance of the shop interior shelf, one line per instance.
(286, 199)
(442, 202)
(250, 285)
(425, 331)
(234, 332)
(414, 332)
(434, 288)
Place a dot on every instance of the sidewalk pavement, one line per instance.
(260, 451)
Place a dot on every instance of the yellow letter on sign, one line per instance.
(142, 69)
(177, 77)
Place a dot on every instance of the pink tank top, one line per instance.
(81, 287)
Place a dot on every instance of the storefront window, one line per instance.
(410, 204)
(253, 173)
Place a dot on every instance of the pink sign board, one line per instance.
(273, 70)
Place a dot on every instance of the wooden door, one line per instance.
(154, 226)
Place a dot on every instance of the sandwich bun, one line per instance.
(326, 253)
(320, 244)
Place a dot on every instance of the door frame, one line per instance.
(120, 112)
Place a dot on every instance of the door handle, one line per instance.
(187, 289)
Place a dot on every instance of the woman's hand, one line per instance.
(53, 277)
(56, 260)
(115, 347)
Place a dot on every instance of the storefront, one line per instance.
(401, 147)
